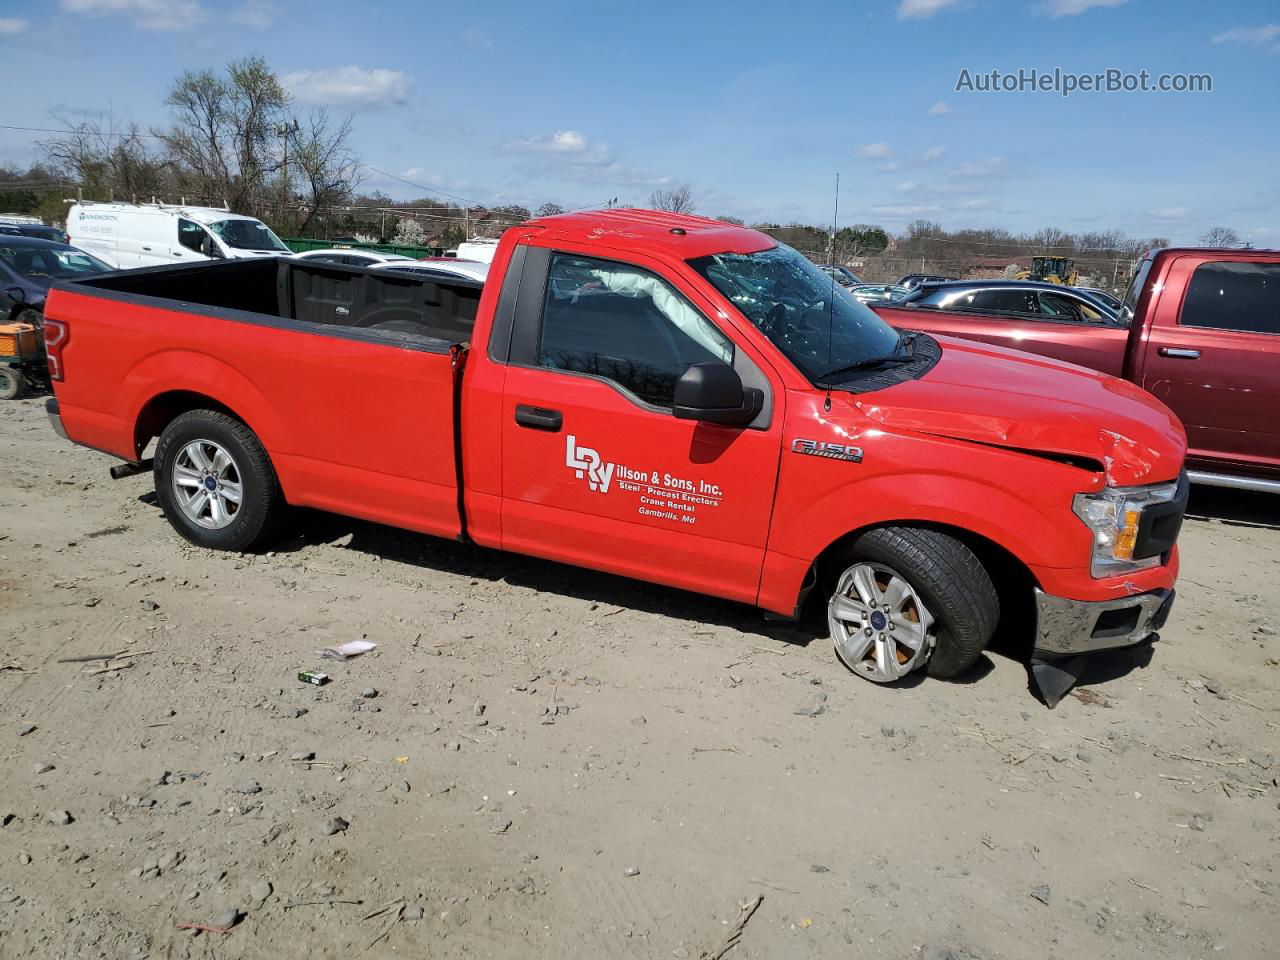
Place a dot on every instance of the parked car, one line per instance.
(352, 258)
(867, 292)
(37, 230)
(1020, 297)
(146, 235)
(708, 418)
(1103, 297)
(1199, 328)
(913, 280)
(842, 275)
(436, 268)
(28, 268)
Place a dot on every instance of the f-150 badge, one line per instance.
(832, 451)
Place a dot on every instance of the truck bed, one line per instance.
(326, 364)
(327, 298)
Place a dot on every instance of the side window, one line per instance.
(625, 324)
(1058, 307)
(1234, 296)
(190, 234)
(995, 301)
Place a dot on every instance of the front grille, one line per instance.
(1160, 523)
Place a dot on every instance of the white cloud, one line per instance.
(919, 9)
(873, 151)
(939, 109)
(1267, 35)
(563, 141)
(991, 167)
(256, 14)
(933, 153)
(906, 186)
(477, 39)
(889, 167)
(570, 155)
(1169, 214)
(1072, 8)
(160, 15)
(12, 25)
(349, 87)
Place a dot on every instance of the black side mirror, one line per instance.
(713, 392)
(209, 248)
(16, 294)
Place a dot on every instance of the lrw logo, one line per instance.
(585, 460)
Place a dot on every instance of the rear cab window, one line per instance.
(1234, 295)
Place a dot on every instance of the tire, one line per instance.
(942, 599)
(12, 384)
(204, 459)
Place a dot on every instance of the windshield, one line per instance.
(1135, 290)
(815, 322)
(248, 235)
(50, 263)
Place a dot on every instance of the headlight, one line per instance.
(1115, 515)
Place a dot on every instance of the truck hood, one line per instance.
(1006, 398)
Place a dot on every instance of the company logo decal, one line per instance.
(584, 460)
(659, 494)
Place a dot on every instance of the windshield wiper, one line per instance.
(906, 339)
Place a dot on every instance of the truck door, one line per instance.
(596, 470)
(1214, 358)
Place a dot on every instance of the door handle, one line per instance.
(1179, 353)
(539, 418)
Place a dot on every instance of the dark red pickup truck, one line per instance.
(1200, 329)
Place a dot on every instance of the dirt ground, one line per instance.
(539, 761)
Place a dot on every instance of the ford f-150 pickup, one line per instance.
(1200, 329)
(668, 398)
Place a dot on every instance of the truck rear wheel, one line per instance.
(901, 598)
(215, 481)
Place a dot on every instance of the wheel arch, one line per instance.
(162, 409)
(173, 382)
(1014, 580)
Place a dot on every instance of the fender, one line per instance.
(820, 514)
(194, 372)
(966, 503)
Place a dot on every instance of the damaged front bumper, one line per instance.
(1066, 630)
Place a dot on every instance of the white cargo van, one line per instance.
(144, 235)
(481, 248)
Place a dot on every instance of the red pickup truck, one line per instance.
(1200, 329)
(664, 397)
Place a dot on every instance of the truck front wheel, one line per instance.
(215, 481)
(901, 598)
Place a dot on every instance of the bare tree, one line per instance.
(677, 200)
(1221, 237)
(225, 130)
(550, 210)
(318, 151)
(107, 160)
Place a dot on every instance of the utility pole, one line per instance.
(283, 133)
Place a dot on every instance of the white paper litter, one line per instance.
(345, 651)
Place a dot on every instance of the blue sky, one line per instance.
(755, 104)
